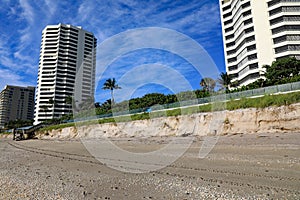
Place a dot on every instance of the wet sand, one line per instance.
(243, 166)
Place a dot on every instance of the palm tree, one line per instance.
(111, 84)
(52, 103)
(224, 80)
(45, 109)
(208, 84)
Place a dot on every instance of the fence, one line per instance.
(264, 91)
(289, 87)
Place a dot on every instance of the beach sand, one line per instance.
(242, 166)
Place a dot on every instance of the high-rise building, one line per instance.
(16, 103)
(67, 54)
(256, 33)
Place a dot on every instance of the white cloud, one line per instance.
(51, 6)
(19, 49)
(147, 74)
(27, 11)
(9, 78)
(156, 38)
(5, 59)
(85, 10)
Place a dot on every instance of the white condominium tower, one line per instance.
(67, 54)
(256, 33)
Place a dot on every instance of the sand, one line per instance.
(242, 166)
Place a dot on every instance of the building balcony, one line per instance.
(242, 57)
(283, 23)
(246, 71)
(284, 43)
(287, 53)
(280, 14)
(285, 32)
(242, 74)
(241, 48)
(249, 73)
(280, 4)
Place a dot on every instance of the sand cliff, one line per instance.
(252, 120)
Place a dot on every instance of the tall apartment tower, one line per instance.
(16, 103)
(67, 60)
(256, 33)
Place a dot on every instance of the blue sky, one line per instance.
(23, 21)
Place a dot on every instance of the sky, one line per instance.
(148, 46)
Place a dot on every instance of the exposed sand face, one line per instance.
(268, 120)
(242, 166)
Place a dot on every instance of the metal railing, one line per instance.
(284, 88)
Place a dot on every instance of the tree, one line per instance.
(208, 84)
(18, 123)
(107, 104)
(282, 71)
(52, 103)
(45, 109)
(69, 101)
(224, 80)
(97, 105)
(87, 103)
(111, 84)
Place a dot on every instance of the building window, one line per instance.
(286, 38)
(286, 28)
(230, 44)
(227, 15)
(226, 8)
(252, 57)
(245, 5)
(232, 68)
(253, 66)
(251, 48)
(228, 22)
(284, 9)
(230, 60)
(230, 52)
(287, 48)
(274, 2)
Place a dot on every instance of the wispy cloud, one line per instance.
(23, 20)
(149, 74)
(51, 7)
(27, 11)
(8, 78)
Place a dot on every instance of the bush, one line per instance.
(261, 102)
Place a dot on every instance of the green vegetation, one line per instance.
(265, 101)
(18, 123)
(285, 70)
(111, 84)
(208, 84)
(261, 102)
(57, 126)
(4, 132)
(141, 104)
(224, 80)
